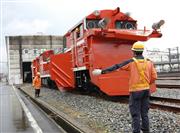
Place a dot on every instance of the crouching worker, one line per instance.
(142, 74)
(37, 84)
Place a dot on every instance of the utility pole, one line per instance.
(169, 51)
(178, 59)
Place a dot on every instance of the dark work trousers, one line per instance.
(139, 106)
(37, 92)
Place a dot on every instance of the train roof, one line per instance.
(100, 14)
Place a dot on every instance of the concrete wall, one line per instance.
(25, 49)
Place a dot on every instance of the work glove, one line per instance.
(96, 72)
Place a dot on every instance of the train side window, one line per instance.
(79, 31)
(119, 24)
(64, 42)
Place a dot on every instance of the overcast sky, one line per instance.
(56, 17)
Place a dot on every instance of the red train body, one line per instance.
(100, 40)
(41, 64)
(44, 60)
(35, 66)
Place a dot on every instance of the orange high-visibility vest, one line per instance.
(142, 74)
(143, 82)
(37, 82)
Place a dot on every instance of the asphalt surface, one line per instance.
(19, 114)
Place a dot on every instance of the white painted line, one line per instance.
(44, 76)
(31, 119)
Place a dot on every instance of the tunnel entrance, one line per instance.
(27, 74)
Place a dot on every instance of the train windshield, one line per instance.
(92, 23)
(119, 24)
(131, 25)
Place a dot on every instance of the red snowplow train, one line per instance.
(101, 39)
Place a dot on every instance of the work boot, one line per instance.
(36, 95)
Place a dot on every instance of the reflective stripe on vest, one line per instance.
(143, 81)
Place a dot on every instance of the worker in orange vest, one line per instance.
(142, 75)
(37, 84)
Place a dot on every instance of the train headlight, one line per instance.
(96, 13)
(158, 25)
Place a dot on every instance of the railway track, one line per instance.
(162, 99)
(168, 82)
(168, 78)
(153, 103)
(168, 86)
(163, 104)
(169, 74)
(67, 124)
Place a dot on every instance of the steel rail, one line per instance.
(174, 109)
(60, 120)
(120, 99)
(162, 99)
(168, 86)
(165, 107)
(175, 74)
(168, 78)
(152, 105)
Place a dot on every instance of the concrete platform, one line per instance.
(12, 116)
(19, 114)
